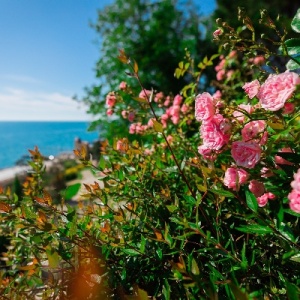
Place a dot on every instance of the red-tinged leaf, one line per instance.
(123, 57)
(28, 267)
(41, 201)
(87, 187)
(47, 197)
(42, 218)
(5, 207)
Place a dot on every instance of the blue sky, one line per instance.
(47, 55)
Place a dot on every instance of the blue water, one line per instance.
(50, 137)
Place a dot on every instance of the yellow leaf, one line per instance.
(157, 126)
(135, 67)
(275, 125)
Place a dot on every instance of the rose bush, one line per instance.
(203, 206)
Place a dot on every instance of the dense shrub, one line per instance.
(206, 207)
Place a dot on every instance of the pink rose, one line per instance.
(123, 86)
(265, 172)
(204, 107)
(258, 60)
(131, 116)
(207, 153)
(294, 197)
(235, 177)
(220, 75)
(184, 108)
(109, 112)
(145, 94)
(177, 100)
(251, 88)
(124, 114)
(217, 33)
(110, 99)
(295, 184)
(288, 108)
(132, 128)
(257, 188)
(277, 89)
(263, 200)
(213, 132)
(254, 131)
(158, 96)
(246, 154)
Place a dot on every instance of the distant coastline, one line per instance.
(51, 137)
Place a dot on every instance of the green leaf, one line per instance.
(296, 258)
(292, 291)
(291, 212)
(72, 190)
(53, 258)
(244, 258)
(194, 267)
(255, 229)
(222, 192)
(287, 232)
(251, 201)
(292, 65)
(296, 22)
(131, 252)
(171, 208)
(166, 290)
(102, 163)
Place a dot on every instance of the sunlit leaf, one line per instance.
(131, 252)
(255, 229)
(72, 190)
(53, 258)
(296, 22)
(157, 126)
(251, 201)
(194, 267)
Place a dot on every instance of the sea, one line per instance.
(51, 138)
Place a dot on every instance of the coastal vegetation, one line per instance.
(197, 190)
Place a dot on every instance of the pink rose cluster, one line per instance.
(275, 91)
(137, 128)
(235, 177)
(214, 129)
(294, 195)
(222, 72)
(110, 103)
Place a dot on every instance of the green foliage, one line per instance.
(155, 33)
(164, 225)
